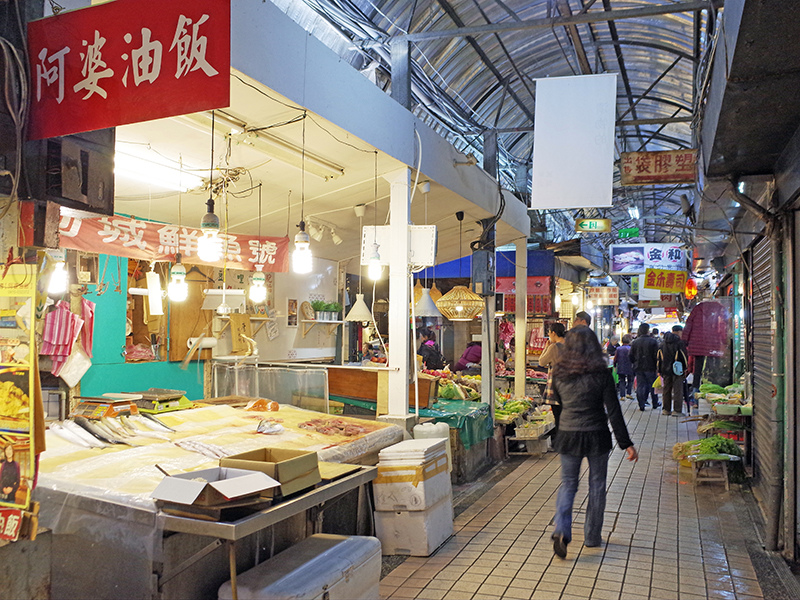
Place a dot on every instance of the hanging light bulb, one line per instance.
(589, 304)
(374, 268)
(576, 299)
(178, 289)
(302, 257)
(209, 246)
(258, 288)
(59, 279)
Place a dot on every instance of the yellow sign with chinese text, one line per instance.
(672, 282)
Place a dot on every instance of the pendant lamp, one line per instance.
(425, 307)
(436, 293)
(302, 259)
(209, 246)
(460, 304)
(360, 311)
(417, 291)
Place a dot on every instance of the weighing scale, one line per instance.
(97, 408)
(158, 400)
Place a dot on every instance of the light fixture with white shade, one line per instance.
(425, 306)
(336, 238)
(316, 231)
(360, 311)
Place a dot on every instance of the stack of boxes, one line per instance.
(413, 497)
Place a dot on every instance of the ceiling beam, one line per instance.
(661, 121)
(548, 23)
(483, 56)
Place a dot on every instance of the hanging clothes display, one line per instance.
(61, 330)
(706, 330)
(87, 333)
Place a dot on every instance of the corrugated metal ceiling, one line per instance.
(463, 86)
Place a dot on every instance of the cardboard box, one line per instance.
(295, 470)
(221, 485)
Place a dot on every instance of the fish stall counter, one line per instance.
(110, 539)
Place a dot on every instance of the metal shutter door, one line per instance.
(763, 396)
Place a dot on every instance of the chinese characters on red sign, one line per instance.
(146, 240)
(604, 296)
(10, 523)
(667, 281)
(127, 61)
(671, 166)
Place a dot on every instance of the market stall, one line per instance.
(98, 500)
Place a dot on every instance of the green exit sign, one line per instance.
(629, 232)
(593, 225)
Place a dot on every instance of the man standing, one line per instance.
(644, 351)
(582, 319)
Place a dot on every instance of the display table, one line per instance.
(97, 503)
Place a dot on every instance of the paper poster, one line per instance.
(17, 290)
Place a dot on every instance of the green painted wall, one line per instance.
(109, 371)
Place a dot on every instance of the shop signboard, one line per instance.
(127, 61)
(664, 301)
(627, 259)
(672, 282)
(17, 299)
(670, 166)
(10, 524)
(604, 296)
(536, 285)
(628, 232)
(592, 225)
(536, 304)
(150, 241)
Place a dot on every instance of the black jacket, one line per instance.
(588, 402)
(644, 350)
(672, 350)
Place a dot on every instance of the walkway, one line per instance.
(664, 539)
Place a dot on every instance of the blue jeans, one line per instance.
(570, 473)
(625, 385)
(644, 387)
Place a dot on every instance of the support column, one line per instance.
(399, 292)
(520, 310)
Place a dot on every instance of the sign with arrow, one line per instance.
(592, 225)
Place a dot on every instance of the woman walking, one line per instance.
(583, 385)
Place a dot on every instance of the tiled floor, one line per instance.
(664, 538)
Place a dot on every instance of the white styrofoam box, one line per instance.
(411, 487)
(415, 532)
(422, 450)
(335, 567)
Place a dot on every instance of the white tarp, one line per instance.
(573, 145)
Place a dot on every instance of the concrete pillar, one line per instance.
(399, 291)
(521, 322)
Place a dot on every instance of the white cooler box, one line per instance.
(407, 486)
(415, 532)
(335, 567)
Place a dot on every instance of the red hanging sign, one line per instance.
(10, 523)
(146, 240)
(127, 61)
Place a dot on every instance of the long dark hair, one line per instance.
(581, 354)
